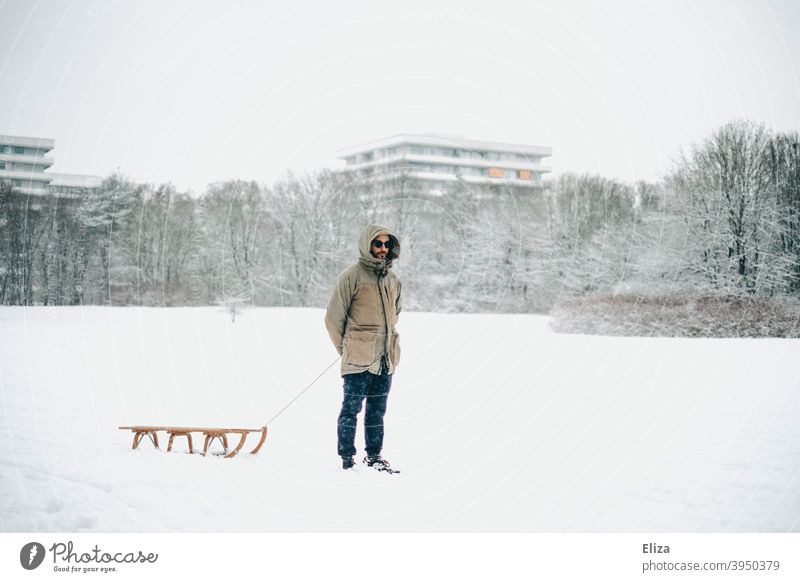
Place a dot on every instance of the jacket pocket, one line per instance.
(394, 347)
(359, 348)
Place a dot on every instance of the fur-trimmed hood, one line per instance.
(370, 232)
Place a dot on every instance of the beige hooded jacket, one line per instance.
(363, 309)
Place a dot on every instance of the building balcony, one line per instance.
(444, 141)
(31, 191)
(483, 180)
(443, 178)
(25, 176)
(405, 159)
(39, 161)
(40, 143)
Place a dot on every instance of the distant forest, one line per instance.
(725, 222)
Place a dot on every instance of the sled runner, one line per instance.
(211, 434)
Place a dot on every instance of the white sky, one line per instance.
(194, 92)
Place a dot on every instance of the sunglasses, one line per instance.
(380, 244)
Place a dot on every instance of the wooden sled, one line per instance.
(142, 431)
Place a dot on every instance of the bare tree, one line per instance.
(727, 191)
(312, 212)
(785, 162)
(23, 221)
(236, 224)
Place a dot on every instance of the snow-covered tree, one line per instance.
(103, 216)
(728, 193)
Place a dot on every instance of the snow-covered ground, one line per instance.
(496, 422)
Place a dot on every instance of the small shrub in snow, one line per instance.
(233, 306)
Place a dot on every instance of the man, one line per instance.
(360, 319)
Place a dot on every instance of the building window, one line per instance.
(524, 174)
(2, 165)
(19, 150)
(497, 172)
(18, 183)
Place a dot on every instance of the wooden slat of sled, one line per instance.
(148, 428)
(140, 431)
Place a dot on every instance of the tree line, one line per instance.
(724, 221)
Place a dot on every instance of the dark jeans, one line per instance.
(357, 387)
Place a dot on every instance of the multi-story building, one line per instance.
(23, 161)
(436, 160)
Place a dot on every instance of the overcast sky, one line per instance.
(191, 92)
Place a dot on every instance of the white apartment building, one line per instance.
(437, 159)
(23, 161)
(23, 165)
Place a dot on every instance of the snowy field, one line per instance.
(497, 423)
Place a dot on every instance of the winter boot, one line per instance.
(348, 462)
(379, 463)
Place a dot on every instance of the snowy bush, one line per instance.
(679, 316)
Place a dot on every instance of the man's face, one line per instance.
(383, 250)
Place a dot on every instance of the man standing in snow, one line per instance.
(360, 319)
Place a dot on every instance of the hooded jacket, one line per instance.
(364, 307)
